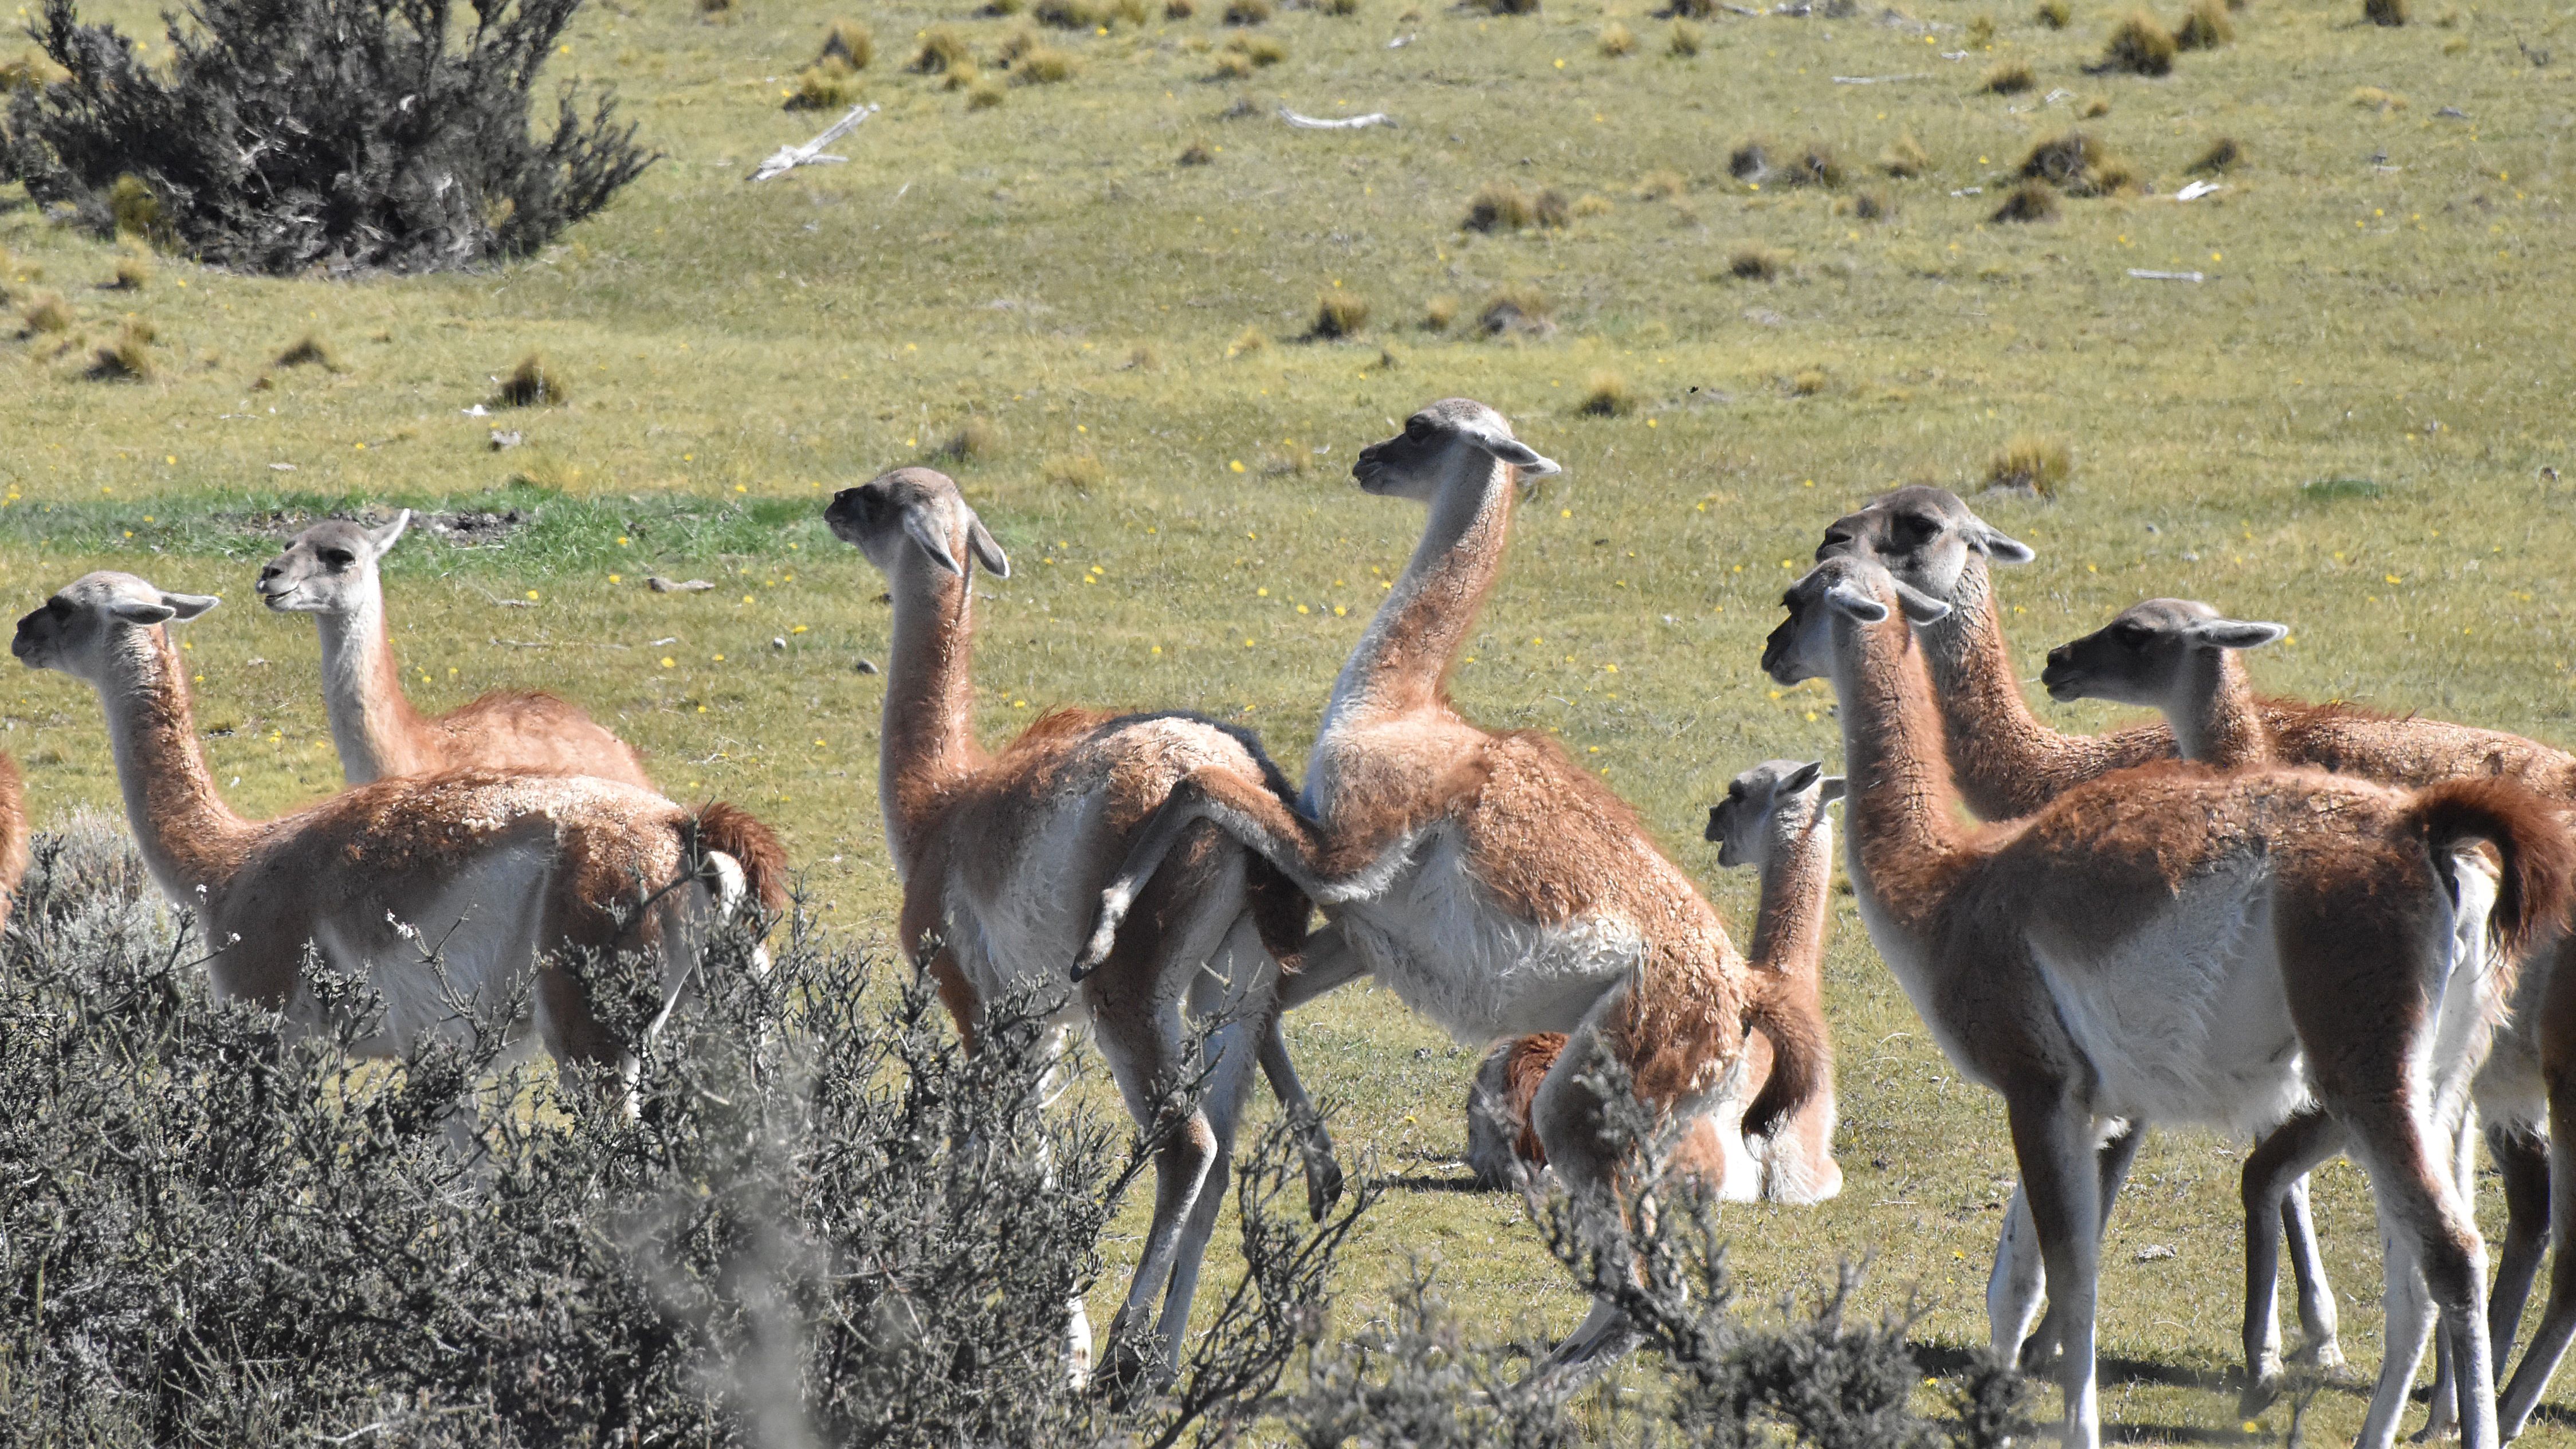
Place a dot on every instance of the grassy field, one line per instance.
(2346, 424)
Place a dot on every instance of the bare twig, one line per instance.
(788, 158)
(1351, 123)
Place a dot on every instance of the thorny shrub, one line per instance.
(348, 134)
(819, 1222)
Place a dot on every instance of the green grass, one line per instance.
(732, 354)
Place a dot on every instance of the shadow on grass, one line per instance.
(1428, 1182)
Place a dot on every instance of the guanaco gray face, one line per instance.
(913, 508)
(1847, 586)
(2158, 654)
(1924, 536)
(1774, 801)
(1438, 443)
(81, 629)
(330, 568)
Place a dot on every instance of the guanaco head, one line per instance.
(1453, 439)
(95, 619)
(1847, 586)
(914, 508)
(330, 568)
(1767, 807)
(2164, 654)
(1925, 536)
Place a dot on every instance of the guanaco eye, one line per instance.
(338, 558)
(2131, 636)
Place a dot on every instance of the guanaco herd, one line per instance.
(2334, 930)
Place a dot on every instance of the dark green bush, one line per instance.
(349, 134)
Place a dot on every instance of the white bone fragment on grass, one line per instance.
(1348, 123)
(788, 158)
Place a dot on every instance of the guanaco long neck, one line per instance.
(1789, 925)
(929, 734)
(1404, 658)
(373, 724)
(1899, 797)
(2007, 763)
(2223, 728)
(190, 839)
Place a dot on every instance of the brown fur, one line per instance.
(330, 570)
(754, 846)
(2355, 873)
(13, 835)
(397, 850)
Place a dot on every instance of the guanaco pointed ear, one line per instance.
(184, 607)
(132, 612)
(1995, 544)
(1919, 607)
(987, 551)
(926, 533)
(1832, 790)
(1520, 455)
(2237, 633)
(1846, 599)
(1798, 781)
(383, 539)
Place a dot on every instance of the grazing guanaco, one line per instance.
(1492, 883)
(1773, 819)
(331, 572)
(429, 888)
(2176, 944)
(1001, 855)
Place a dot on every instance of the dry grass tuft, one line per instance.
(1592, 203)
(1143, 359)
(1247, 12)
(1684, 40)
(2222, 156)
(530, 384)
(2205, 27)
(1338, 7)
(1662, 186)
(1505, 206)
(1232, 65)
(1873, 206)
(2372, 98)
(2055, 14)
(716, 12)
(1617, 40)
(1198, 153)
(1606, 395)
(1516, 311)
(1338, 314)
(1808, 383)
(976, 438)
(2039, 466)
(1904, 157)
(46, 313)
(2095, 108)
(128, 358)
(135, 208)
(826, 85)
(1081, 472)
(1247, 342)
(1756, 264)
(2139, 46)
(133, 267)
(1749, 162)
(1439, 312)
(1981, 32)
(310, 351)
(2030, 201)
(2391, 13)
(1179, 9)
(985, 93)
(33, 70)
(942, 49)
(1504, 7)
(2062, 159)
(2008, 78)
(1044, 65)
(850, 43)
